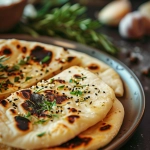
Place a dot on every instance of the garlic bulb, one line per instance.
(134, 25)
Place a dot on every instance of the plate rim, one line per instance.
(50, 40)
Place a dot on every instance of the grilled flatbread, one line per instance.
(54, 111)
(98, 135)
(107, 74)
(24, 63)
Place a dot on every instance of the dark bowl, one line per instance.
(10, 15)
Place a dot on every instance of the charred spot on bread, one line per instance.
(93, 66)
(18, 46)
(38, 54)
(25, 94)
(32, 104)
(24, 49)
(65, 49)
(106, 127)
(22, 123)
(73, 110)
(13, 111)
(53, 95)
(77, 76)
(6, 51)
(73, 118)
(4, 103)
(76, 142)
(70, 58)
(60, 81)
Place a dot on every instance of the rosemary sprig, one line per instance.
(69, 22)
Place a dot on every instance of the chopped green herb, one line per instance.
(45, 59)
(47, 105)
(73, 81)
(77, 93)
(41, 121)
(38, 90)
(51, 80)
(3, 67)
(27, 115)
(41, 134)
(61, 87)
(3, 58)
(14, 68)
(24, 61)
(4, 85)
(16, 79)
(55, 115)
(28, 78)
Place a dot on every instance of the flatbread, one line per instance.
(55, 110)
(98, 135)
(106, 73)
(30, 62)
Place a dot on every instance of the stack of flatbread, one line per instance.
(56, 98)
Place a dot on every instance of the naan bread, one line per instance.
(30, 62)
(98, 135)
(55, 110)
(107, 74)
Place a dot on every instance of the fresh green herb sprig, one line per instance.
(24, 61)
(28, 78)
(47, 105)
(69, 22)
(76, 92)
(41, 134)
(2, 59)
(45, 59)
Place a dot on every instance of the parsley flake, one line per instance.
(77, 93)
(41, 121)
(45, 59)
(28, 78)
(60, 87)
(16, 79)
(51, 80)
(24, 61)
(41, 134)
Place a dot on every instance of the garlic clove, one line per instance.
(112, 13)
(145, 9)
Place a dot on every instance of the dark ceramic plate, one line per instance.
(133, 99)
